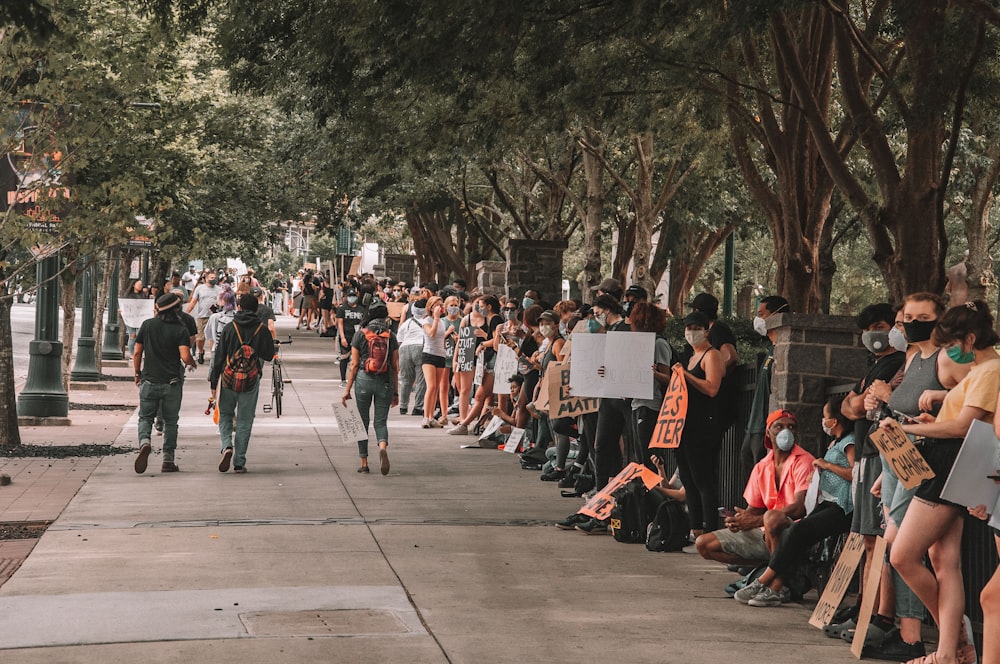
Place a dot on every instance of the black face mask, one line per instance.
(919, 330)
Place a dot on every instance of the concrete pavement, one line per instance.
(450, 558)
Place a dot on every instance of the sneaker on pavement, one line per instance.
(169, 467)
(417, 412)
(425, 423)
(570, 522)
(402, 410)
(459, 430)
(239, 469)
(343, 383)
(227, 456)
(142, 460)
(383, 459)
(593, 527)
(833, 630)
(553, 475)
(748, 592)
(894, 649)
(769, 597)
(690, 548)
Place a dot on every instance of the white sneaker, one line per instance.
(748, 592)
(459, 430)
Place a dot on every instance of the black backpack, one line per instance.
(628, 519)
(669, 528)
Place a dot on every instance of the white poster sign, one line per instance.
(491, 428)
(626, 359)
(480, 370)
(513, 440)
(352, 429)
(968, 483)
(505, 367)
(135, 311)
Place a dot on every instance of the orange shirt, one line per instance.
(795, 477)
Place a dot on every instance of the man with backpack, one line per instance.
(243, 347)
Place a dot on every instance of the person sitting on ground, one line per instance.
(830, 517)
(775, 495)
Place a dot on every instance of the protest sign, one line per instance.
(505, 367)
(868, 596)
(135, 311)
(902, 455)
(616, 364)
(477, 378)
(561, 401)
(352, 429)
(599, 507)
(513, 440)
(968, 483)
(541, 402)
(491, 428)
(673, 413)
(839, 581)
(466, 348)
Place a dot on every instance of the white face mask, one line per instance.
(695, 337)
(827, 430)
(760, 326)
(785, 440)
(546, 330)
(897, 339)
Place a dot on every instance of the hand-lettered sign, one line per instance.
(673, 412)
(599, 507)
(902, 455)
(561, 402)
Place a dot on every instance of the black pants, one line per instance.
(345, 361)
(588, 433)
(614, 420)
(643, 423)
(698, 467)
(826, 520)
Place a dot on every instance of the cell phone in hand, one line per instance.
(903, 417)
(726, 512)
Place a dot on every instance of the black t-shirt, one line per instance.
(528, 348)
(884, 368)
(490, 328)
(265, 313)
(352, 317)
(309, 286)
(161, 355)
(729, 391)
(189, 322)
(277, 284)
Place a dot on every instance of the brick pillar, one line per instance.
(537, 265)
(813, 353)
(490, 276)
(400, 267)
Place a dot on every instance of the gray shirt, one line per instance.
(207, 296)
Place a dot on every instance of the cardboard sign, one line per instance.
(352, 429)
(967, 483)
(541, 402)
(839, 581)
(491, 428)
(673, 413)
(868, 599)
(902, 455)
(466, 349)
(616, 364)
(477, 379)
(513, 440)
(135, 311)
(505, 367)
(561, 401)
(395, 309)
(599, 507)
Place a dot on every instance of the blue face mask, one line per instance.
(353, 299)
(958, 356)
(593, 325)
(785, 440)
(526, 302)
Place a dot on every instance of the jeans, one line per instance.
(369, 389)
(131, 332)
(411, 376)
(896, 498)
(243, 407)
(156, 396)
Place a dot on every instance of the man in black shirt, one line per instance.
(264, 312)
(349, 317)
(279, 291)
(163, 341)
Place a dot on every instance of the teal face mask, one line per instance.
(593, 326)
(959, 357)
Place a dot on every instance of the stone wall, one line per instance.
(400, 267)
(490, 277)
(536, 265)
(812, 354)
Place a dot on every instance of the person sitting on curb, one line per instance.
(775, 496)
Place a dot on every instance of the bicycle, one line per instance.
(277, 380)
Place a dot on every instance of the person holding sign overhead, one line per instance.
(701, 441)
(933, 526)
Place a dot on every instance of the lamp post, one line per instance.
(112, 348)
(43, 394)
(85, 366)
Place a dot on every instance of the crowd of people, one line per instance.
(933, 369)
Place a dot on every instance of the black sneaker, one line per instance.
(169, 467)
(201, 358)
(593, 527)
(570, 522)
(553, 475)
(417, 412)
(402, 411)
(568, 482)
(158, 425)
(894, 649)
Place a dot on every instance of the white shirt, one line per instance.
(410, 333)
(434, 344)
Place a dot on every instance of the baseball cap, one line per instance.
(772, 418)
(636, 291)
(256, 291)
(548, 315)
(698, 318)
(707, 303)
(609, 285)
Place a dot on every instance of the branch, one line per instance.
(491, 175)
(983, 9)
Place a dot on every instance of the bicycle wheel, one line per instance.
(277, 388)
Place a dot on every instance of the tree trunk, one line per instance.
(101, 307)
(591, 217)
(10, 434)
(67, 299)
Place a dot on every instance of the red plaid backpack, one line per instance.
(242, 368)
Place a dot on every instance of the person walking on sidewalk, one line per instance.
(372, 374)
(239, 400)
(200, 306)
(163, 342)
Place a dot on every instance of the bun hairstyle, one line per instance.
(963, 320)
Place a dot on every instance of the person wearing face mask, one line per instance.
(633, 294)
(933, 526)
(752, 450)
(487, 308)
(831, 516)
(775, 496)
(528, 365)
(928, 375)
(701, 440)
(531, 296)
(452, 320)
(349, 317)
(433, 361)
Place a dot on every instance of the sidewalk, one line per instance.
(450, 558)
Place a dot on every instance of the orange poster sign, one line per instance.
(673, 413)
(599, 507)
